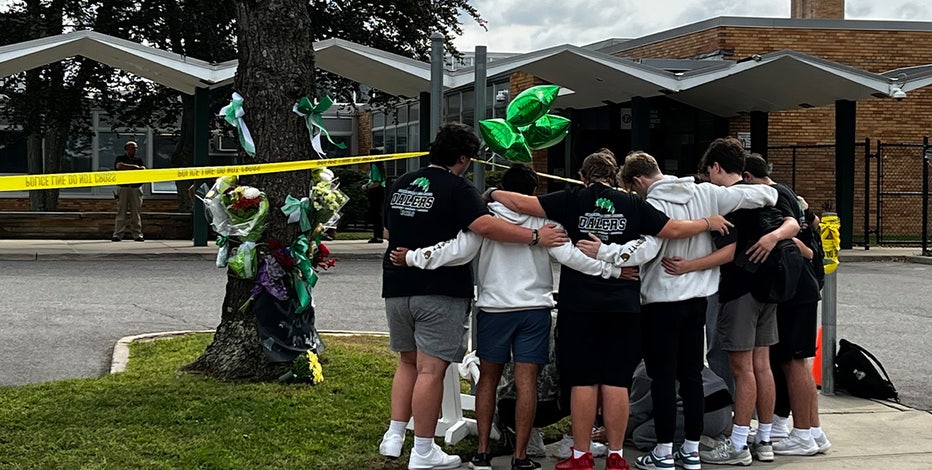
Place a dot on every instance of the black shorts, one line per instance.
(796, 327)
(597, 348)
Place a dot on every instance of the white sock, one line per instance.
(620, 452)
(739, 436)
(397, 427)
(763, 433)
(779, 423)
(804, 434)
(663, 450)
(422, 445)
(578, 454)
(690, 446)
(816, 432)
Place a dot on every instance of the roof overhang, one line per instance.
(778, 81)
(173, 70)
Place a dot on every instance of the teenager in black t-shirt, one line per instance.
(598, 326)
(427, 311)
(797, 324)
(746, 327)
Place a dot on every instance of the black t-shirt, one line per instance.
(423, 208)
(131, 161)
(614, 217)
(749, 226)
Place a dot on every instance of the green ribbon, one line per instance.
(233, 113)
(313, 115)
(304, 278)
(297, 210)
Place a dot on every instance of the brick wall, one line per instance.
(884, 119)
(364, 132)
(817, 9)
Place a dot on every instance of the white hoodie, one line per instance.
(682, 198)
(512, 276)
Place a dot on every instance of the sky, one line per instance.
(528, 25)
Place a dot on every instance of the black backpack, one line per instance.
(856, 370)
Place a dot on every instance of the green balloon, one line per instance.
(546, 131)
(504, 139)
(531, 104)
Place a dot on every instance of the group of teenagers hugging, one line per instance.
(638, 268)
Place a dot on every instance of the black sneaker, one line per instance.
(524, 464)
(375, 240)
(481, 461)
(116, 239)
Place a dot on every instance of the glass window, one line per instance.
(378, 119)
(79, 158)
(453, 111)
(414, 112)
(13, 152)
(403, 114)
(389, 140)
(469, 106)
(338, 125)
(401, 140)
(163, 145)
(414, 137)
(378, 138)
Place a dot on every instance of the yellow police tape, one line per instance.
(830, 226)
(545, 175)
(106, 178)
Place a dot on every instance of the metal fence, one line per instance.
(891, 192)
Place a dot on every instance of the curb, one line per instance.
(170, 256)
(120, 357)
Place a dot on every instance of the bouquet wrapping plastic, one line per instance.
(235, 210)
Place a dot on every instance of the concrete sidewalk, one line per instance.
(63, 250)
(46, 250)
(864, 434)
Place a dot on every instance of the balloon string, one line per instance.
(545, 175)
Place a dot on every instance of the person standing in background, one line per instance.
(129, 195)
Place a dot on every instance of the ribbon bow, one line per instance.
(313, 115)
(304, 277)
(297, 210)
(233, 113)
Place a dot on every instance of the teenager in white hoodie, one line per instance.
(673, 307)
(515, 299)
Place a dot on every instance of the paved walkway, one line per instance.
(348, 249)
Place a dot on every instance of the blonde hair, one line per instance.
(638, 163)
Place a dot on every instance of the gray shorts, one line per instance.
(745, 324)
(435, 325)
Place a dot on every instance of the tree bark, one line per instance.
(184, 151)
(276, 68)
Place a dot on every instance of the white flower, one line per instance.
(325, 175)
(250, 193)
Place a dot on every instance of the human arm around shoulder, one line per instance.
(688, 228)
(501, 231)
(455, 252)
(634, 253)
(741, 196)
(676, 265)
(518, 202)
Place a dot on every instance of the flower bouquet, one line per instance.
(235, 210)
(320, 210)
(306, 368)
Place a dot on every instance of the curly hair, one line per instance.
(453, 140)
(599, 167)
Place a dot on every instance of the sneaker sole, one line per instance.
(436, 467)
(742, 462)
(689, 466)
(479, 467)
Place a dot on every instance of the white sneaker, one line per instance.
(794, 445)
(565, 449)
(535, 445)
(391, 444)
(762, 451)
(823, 443)
(779, 433)
(436, 459)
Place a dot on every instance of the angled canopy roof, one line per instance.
(772, 82)
(777, 81)
(173, 70)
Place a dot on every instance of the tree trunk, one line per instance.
(276, 68)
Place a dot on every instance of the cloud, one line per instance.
(523, 26)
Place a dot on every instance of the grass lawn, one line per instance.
(354, 235)
(152, 416)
